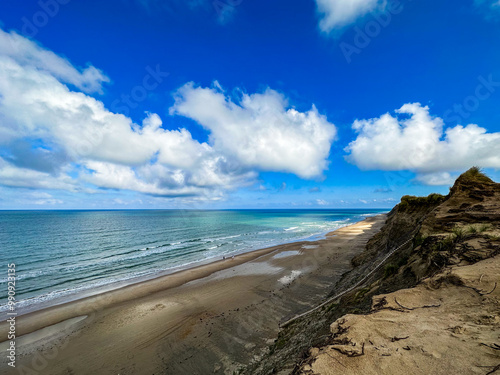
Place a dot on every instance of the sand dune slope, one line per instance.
(448, 324)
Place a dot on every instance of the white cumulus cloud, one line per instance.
(260, 130)
(33, 57)
(53, 135)
(336, 14)
(414, 140)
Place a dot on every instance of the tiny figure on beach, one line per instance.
(232, 257)
(223, 258)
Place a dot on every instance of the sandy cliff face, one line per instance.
(449, 323)
(431, 302)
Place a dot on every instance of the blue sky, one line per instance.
(244, 104)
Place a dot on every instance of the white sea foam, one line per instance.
(289, 278)
(285, 254)
(309, 247)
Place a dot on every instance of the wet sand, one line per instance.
(213, 318)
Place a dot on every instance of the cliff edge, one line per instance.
(430, 303)
(449, 323)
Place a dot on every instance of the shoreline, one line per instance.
(237, 277)
(117, 285)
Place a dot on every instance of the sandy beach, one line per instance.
(213, 318)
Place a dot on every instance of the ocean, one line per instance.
(65, 255)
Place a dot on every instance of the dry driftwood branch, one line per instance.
(360, 354)
(491, 291)
(428, 306)
(493, 346)
(380, 304)
(414, 308)
(400, 305)
(495, 369)
(480, 292)
(398, 338)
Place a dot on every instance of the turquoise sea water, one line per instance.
(61, 255)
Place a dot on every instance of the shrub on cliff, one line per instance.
(474, 174)
(471, 180)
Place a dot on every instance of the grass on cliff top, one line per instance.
(474, 174)
(409, 202)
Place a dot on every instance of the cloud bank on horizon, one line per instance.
(54, 137)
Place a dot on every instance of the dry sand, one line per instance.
(448, 324)
(210, 319)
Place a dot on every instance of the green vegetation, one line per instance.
(437, 252)
(447, 243)
(483, 228)
(359, 295)
(474, 229)
(280, 343)
(409, 202)
(390, 270)
(475, 174)
(331, 307)
(459, 233)
(403, 261)
(419, 240)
